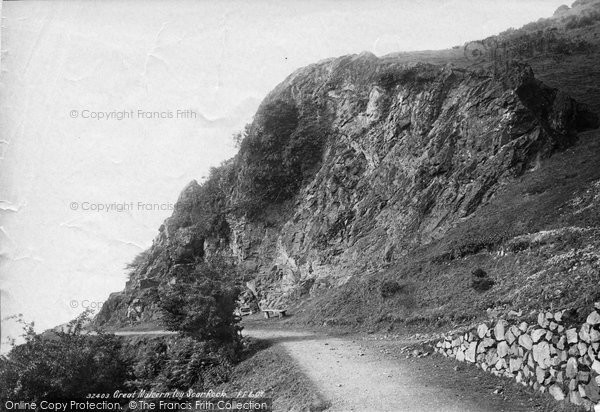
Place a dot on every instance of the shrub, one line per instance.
(480, 280)
(479, 273)
(389, 288)
(202, 302)
(62, 365)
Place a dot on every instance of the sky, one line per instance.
(109, 108)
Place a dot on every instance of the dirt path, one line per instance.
(354, 378)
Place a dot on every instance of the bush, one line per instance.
(480, 280)
(168, 363)
(62, 365)
(202, 302)
(389, 288)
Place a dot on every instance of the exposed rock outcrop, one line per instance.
(400, 154)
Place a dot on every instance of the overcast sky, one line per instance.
(63, 62)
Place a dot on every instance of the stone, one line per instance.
(482, 330)
(572, 335)
(499, 329)
(537, 334)
(540, 375)
(558, 316)
(592, 391)
(593, 318)
(556, 392)
(584, 332)
(523, 327)
(583, 376)
(526, 341)
(573, 384)
(596, 366)
(594, 336)
(541, 354)
(575, 398)
(572, 369)
(515, 364)
(509, 337)
(582, 348)
(460, 356)
(515, 331)
(561, 343)
(470, 352)
(553, 326)
(542, 321)
(503, 349)
(487, 343)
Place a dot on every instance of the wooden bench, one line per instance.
(279, 312)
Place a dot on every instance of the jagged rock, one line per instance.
(558, 316)
(406, 134)
(482, 330)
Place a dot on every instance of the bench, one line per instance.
(279, 312)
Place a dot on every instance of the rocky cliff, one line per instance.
(349, 165)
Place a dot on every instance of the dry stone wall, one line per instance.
(548, 355)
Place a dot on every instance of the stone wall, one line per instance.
(548, 356)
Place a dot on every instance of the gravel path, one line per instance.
(354, 378)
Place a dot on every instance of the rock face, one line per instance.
(401, 154)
